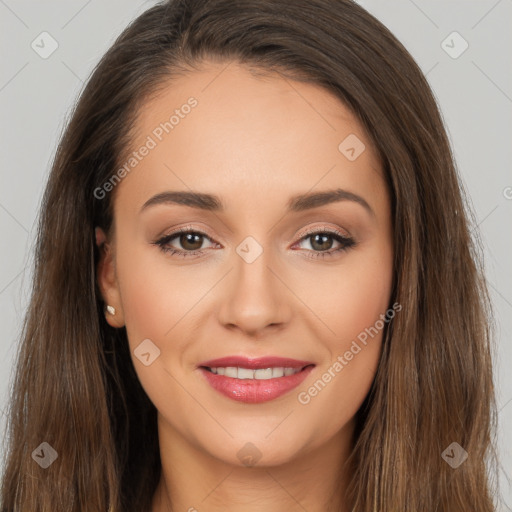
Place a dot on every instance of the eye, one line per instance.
(191, 241)
(322, 240)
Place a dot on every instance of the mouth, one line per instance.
(255, 380)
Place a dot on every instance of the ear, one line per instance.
(107, 280)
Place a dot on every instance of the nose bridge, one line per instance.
(256, 298)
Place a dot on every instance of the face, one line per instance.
(286, 253)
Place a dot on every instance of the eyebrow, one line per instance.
(297, 203)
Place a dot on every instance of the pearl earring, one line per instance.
(111, 309)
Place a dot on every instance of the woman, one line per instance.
(255, 286)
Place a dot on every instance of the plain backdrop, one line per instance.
(469, 72)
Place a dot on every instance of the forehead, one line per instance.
(222, 129)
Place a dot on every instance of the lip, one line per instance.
(254, 390)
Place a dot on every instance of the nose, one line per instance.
(254, 297)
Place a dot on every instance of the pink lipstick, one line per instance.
(254, 380)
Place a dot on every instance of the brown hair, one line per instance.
(75, 386)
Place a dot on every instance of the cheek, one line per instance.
(158, 301)
(358, 294)
(349, 297)
(156, 296)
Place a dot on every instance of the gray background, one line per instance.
(474, 92)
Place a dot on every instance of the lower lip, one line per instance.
(254, 391)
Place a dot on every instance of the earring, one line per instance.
(111, 309)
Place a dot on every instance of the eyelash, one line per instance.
(346, 242)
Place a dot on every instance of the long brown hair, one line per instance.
(75, 386)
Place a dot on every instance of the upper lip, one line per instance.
(255, 363)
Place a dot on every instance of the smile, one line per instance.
(254, 380)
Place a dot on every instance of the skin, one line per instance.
(255, 142)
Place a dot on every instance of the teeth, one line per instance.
(260, 374)
(230, 371)
(263, 374)
(244, 373)
(277, 372)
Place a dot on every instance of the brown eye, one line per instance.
(184, 242)
(191, 241)
(321, 241)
